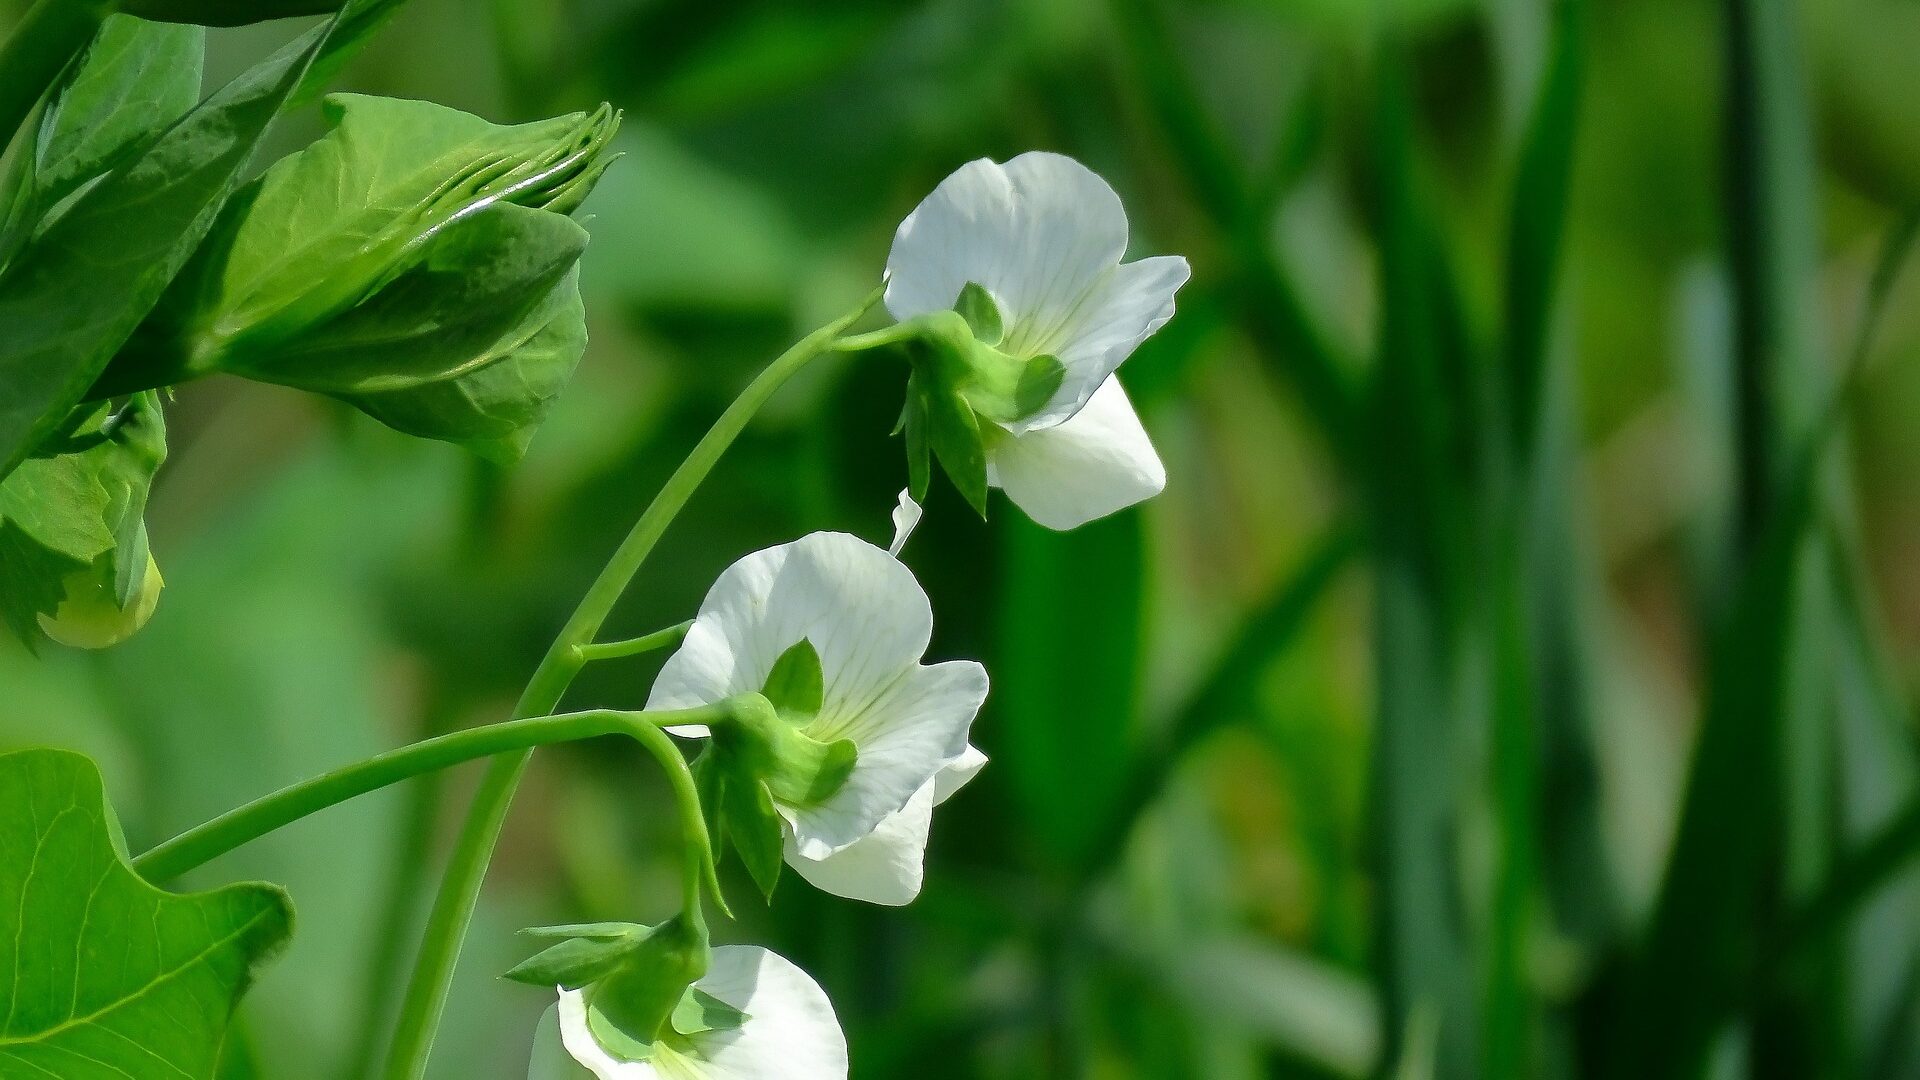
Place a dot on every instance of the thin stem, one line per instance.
(204, 843)
(453, 906)
(614, 650)
(694, 839)
(47, 39)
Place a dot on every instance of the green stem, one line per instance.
(47, 39)
(204, 843)
(614, 650)
(453, 906)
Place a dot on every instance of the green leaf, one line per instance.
(982, 314)
(796, 685)
(365, 242)
(494, 410)
(111, 977)
(135, 79)
(74, 295)
(597, 931)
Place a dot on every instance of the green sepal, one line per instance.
(1040, 379)
(594, 931)
(976, 305)
(575, 962)
(913, 419)
(954, 436)
(796, 685)
(811, 771)
(757, 830)
(700, 1012)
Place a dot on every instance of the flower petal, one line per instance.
(790, 1030)
(550, 1059)
(863, 611)
(1037, 233)
(904, 739)
(884, 867)
(958, 774)
(1123, 310)
(906, 515)
(1097, 463)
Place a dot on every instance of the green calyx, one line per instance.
(764, 758)
(960, 378)
(638, 981)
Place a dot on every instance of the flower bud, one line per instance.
(637, 980)
(74, 559)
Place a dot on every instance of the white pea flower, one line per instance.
(778, 1023)
(1043, 236)
(864, 623)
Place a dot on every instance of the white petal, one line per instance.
(790, 1031)
(861, 608)
(1097, 463)
(884, 867)
(1125, 309)
(550, 1059)
(580, 1044)
(957, 774)
(1037, 233)
(906, 515)
(905, 738)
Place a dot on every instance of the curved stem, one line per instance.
(614, 650)
(453, 906)
(203, 843)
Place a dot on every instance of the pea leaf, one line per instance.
(109, 976)
(74, 295)
(394, 185)
(135, 79)
(493, 411)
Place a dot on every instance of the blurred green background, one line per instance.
(1361, 751)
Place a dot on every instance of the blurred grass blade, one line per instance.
(1538, 696)
(1292, 343)
(1421, 519)
(1293, 1002)
(1222, 695)
(1067, 678)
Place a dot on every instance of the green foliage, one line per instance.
(74, 527)
(111, 977)
(72, 297)
(396, 264)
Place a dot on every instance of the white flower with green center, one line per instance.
(864, 740)
(752, 1016)
(1030, 252)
